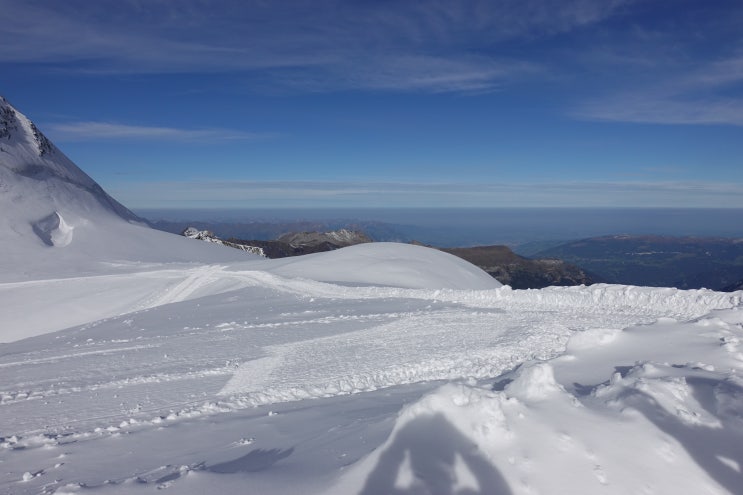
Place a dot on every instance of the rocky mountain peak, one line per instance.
(338, 238)
(16, 126)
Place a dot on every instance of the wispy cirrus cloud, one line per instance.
(106, 131)
(652, 109)
(265, 194)
(708, 93)
(319, 45)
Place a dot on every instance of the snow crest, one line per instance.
(53, 230)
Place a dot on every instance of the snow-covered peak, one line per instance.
(49, 205)
(28, 157)
(209, 236)
(26, 151)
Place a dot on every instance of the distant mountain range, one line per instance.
(299, 243)
(733, 287)
(208, 236)
(657, 261)
(270, 230)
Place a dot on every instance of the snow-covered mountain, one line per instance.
(33, 164)
(56, 215)
(208, 236)
(136, 361)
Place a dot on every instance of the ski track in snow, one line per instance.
(250, 338)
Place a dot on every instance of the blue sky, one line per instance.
(317, 103)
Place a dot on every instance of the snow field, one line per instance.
(220, 341)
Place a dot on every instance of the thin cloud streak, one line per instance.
(326, 44)
(396, 194)
(646, 109)
(105, 131)
(691, 98)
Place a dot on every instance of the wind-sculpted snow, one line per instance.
(235, 345)
(652, 409)
(327, 344)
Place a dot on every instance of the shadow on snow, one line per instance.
(430, 456)
(717, 450)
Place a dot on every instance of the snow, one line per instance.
(239, 376)
(136, 361)
(386, 263)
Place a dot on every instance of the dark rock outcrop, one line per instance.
(523, 273)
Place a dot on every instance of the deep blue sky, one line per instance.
(316, 103)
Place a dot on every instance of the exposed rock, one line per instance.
(522, 273)
(658, 261)
(339, 238)
(207, 236)
(299, 243)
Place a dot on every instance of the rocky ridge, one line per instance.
(208, 236)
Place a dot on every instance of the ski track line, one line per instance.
(11, 397)
(62, 357)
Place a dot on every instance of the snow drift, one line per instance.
(390, 264)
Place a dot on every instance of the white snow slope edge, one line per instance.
(379, 369)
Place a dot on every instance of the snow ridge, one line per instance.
(53, 230)
(208, 236)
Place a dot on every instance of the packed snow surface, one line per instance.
(242, 379)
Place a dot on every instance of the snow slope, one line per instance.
(136, 361)
(289, 384)
(386, 263)
(56, 220)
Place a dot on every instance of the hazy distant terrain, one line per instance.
(267, 230)
(460, 227)
(683, 262)
(523, 273)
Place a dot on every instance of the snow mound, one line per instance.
(387, 264)
(53, 230)
(593, 421)
(534, 383)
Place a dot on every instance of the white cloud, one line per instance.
(433, 46)
(694, 97)
(657, 110)
(270, 194)
(97, 131)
